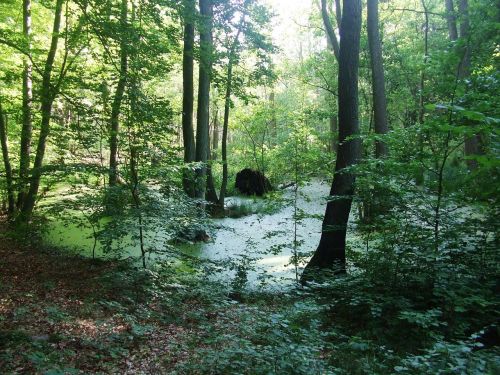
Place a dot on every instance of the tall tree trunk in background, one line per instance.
(473, 144)
(330, 32)
(47, 96)
(227, 108)
(378, 81)
(114, 126)
(225, 126)
(331, 249)
(188, 96)
(215, 135)
(26, 131)
(451, 20)
(6, 162)
(202, 136)
(419, 179)
(333, 44)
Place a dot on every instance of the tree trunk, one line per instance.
(451, 19)
(225, 126)
(47, 96)
(330, 32)
(378, 81)
(114, 127)
(188, 97)
(202, 136)
(331, 249)
(215, 135)
(6, 162)
(473, 144)
(26, 131)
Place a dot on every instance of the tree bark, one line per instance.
(188, 96)
(378, 81)
(27, 128)
(451, 20)
(202, 136)
(6, 162)
(114, 126)
(47, 96)
(331, 249)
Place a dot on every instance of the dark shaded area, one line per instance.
(250, 182)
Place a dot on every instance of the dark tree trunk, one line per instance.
(331, 250)
(225, 126)
(114, 127)
(215, 135)
(188, 96)
(47, 96)
(451, 19)
(227, 108)
(378, 81)
(202, 136)
(6, 162)
(26, 131)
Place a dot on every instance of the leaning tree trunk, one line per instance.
(6, 162)
(26, 130)
(117, 101)
(202, 137)
(47, 96)
(378, 82)
(331, 250)
(188, 97)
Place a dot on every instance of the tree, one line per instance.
(227, 106)
(331, 249)
(203, 118)
(6, 162)
(47, 95)
(26, 132)
(378, 81)
(117, 101)
(188, 94)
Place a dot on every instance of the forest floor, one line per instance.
(58, 316)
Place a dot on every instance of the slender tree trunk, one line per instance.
(227, 108)
(188, 96)
(6, 162)
(225, 126)
(333, 45)
(451, 19)
(202, 136)
(114, 127)
(215, 135)
(330, 32)
(473, 144)
(331, 249)
(47, 96)
(26, 131)
(211, 193)
(378, 81)
(419, 180)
